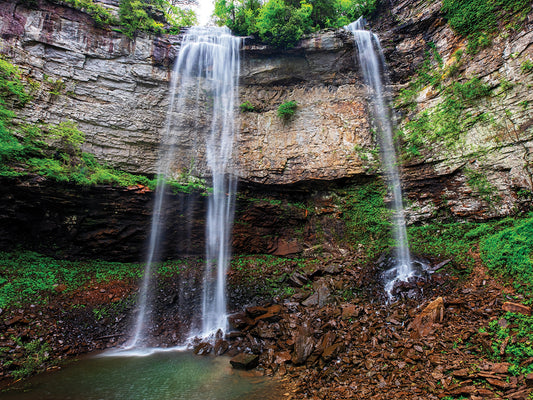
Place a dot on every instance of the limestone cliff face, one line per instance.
(116, 89)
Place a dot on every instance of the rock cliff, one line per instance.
(116, 90)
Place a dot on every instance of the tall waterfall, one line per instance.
(203, 95)
(372, 62)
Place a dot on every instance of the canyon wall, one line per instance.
(116, 90)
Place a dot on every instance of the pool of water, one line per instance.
(158, 376)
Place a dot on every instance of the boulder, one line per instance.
(424, 323)
(244, 361)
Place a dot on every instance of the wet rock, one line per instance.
(221, 347)
(239, 321)
(424, 323)
(202, 349)
(516, 308)
(244, 361)
(350, 311)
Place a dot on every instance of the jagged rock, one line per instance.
(298, 280)
(516, 308)
(350, 311)
(424, 323)
(221, 346)
(239, 321)
(303, 346)
(244, 361)
(202, 349)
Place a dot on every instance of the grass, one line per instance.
(28, 277)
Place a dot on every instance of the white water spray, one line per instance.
(372, 62)
(203, 95)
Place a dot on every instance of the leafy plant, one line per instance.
(510, 253)
(517, 332)
(36, 353)
(287, 110)
(282, 23)
(479, 19)
(247, 107)
(527, 66)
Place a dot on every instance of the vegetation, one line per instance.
(28, 276)
(367, 218)
(247, 107)
(478, 20)
(155, 16)
(509, 253)
(287, 110)
(445, 122)
(35, 354)
(282, 23)
(137, 15)
(514, 335)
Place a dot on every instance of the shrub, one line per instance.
(287, 110)
(247, 107)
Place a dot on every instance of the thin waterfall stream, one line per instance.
(203, 95)
(372, 64)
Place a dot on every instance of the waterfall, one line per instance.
(202, 101)
(372, 64)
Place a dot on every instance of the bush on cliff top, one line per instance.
(282, 23)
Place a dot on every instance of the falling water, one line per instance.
(202, 100)
(372, 64)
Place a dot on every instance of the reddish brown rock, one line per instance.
(244, 361)
(424, 323)
(516, 308)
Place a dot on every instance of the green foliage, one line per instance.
(28, 276)
(509, 253)
(446, 122)
(282, 23)
(484, 189)
(156, 16)
(479, 19)
(247, 107)
(527, 66)
(367, 218)
(517, 332)
(35, 354)
(457, 240)
(287, 110)
(99, 13)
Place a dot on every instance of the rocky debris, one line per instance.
(363, 348)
